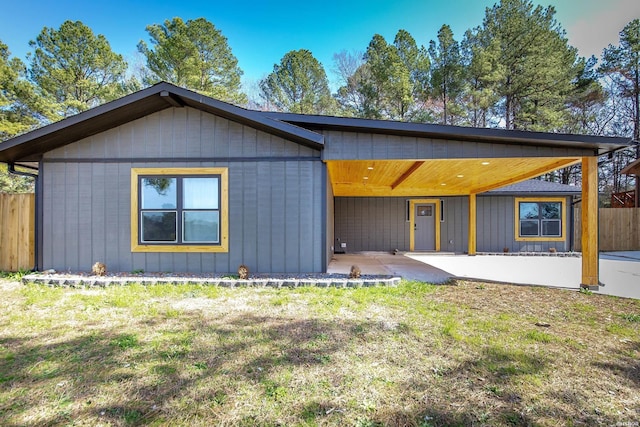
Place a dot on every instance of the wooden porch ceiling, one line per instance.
(449, 177)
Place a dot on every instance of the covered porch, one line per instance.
(424, 181)
(424, 163)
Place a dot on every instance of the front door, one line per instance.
(424, 227)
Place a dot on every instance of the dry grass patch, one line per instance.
(416, 355)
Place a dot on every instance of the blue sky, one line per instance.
(260, 33)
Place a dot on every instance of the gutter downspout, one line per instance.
(12, 170)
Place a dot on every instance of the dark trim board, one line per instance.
(29, 146)
(185, 160)
(323, 218)
(600, 144)
(39, 219)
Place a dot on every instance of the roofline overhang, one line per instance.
(632, 168)
(529, 193)
(30, 146)
(600, 144)
(300, 128)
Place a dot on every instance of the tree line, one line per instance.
(514, 71)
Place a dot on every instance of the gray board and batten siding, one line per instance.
(277, 196)
(381, 224)
(375, 146)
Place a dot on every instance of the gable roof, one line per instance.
(30, 146)
(536, 186)
(600, 144)
(300, 128)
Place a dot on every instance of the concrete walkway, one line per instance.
(619, 271)
(387, 264)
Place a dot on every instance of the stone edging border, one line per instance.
(101, 282)
(548, 254)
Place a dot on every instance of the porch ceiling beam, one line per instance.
(414, 167)
(527, 175)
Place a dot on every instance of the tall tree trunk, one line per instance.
(444, 102)
(507, 112)
(636, 129)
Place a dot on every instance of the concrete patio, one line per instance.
(619, 271)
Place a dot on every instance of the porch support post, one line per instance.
(472, 224)
(590, 261)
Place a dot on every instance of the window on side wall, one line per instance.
(540, 219)
(179, 210)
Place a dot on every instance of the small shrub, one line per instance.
(243, 272)
(538, 336)
(99, 269)
(355, 272)
(632, 317)
(274, 390)
(585, 291)
(14, 275)
(125, 341)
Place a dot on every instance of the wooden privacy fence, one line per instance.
(619, 229)
(17, 231)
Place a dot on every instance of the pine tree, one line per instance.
(535, 63)
(17, 97)
(482, 74)
(416, 60)
(447, 74)
(298, 84)
(75, 69)
(622, 64)
(194, 55)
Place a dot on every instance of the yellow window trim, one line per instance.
(562, 201)
(224, 209)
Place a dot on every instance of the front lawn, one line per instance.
(416, 354)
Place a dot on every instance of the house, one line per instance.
(166, 179)
(633, 168)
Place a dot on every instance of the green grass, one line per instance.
(14, 275)
(631, 317)
(415, 355)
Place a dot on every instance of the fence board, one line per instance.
(17, 231)
(619, 229)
